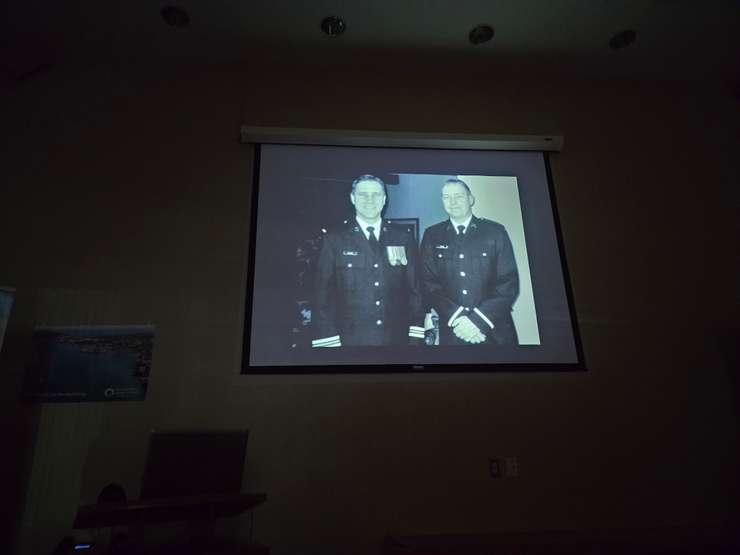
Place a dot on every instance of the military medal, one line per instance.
(397, 255)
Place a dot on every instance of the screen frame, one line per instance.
(259, 136)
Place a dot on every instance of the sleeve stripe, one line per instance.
(454, 315)
(334, 341)
(322, 345)
(416, 328)
(326, 339)
(416, 335)
(485, 319)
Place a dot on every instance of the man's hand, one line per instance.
(466, 330)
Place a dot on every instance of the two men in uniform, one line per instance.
(371, 289)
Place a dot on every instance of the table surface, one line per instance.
(170, 509)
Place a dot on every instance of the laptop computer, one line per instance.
(194, 462)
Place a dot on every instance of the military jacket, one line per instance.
(473, 275)
(365, 295)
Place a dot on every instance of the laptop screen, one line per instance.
(186, 463)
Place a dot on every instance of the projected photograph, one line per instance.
(367, 259)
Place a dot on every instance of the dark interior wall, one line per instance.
(126, 199)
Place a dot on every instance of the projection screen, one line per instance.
(398, 259)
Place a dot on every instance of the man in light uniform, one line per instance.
(366, 285)
(469, 275)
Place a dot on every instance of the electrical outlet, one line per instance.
(494, 468)
(511, 467)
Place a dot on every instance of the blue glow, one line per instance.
(82, 546)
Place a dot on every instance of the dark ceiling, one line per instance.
(676, 39)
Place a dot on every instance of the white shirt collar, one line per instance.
(364, 225)
(466, 223)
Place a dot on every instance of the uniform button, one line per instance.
(462, 255)
(377, 303)
(376, 284)
(439, 255)
(465, 291)
(375, 265)
(349, 265)
(462, 274)
(484, 254)
(379, 322)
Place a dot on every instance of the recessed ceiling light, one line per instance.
(333, 25)
(622, 39)
(175, 16)
(480, 34)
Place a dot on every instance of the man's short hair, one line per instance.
(368, 177)
(456, 181)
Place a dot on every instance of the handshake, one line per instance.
(466, 330)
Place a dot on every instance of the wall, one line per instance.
(126, 199)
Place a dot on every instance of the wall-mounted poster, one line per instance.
(90, 363)
(6, 302)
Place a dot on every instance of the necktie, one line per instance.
(373, 239)
(460, 230)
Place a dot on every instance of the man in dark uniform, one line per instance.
(469, 274)
(366, 290)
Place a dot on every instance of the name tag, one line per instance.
(350, 253)
(397, 255)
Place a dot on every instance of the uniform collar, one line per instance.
(470, 222)
(363, 225)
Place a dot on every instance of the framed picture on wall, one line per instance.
(7, 295)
